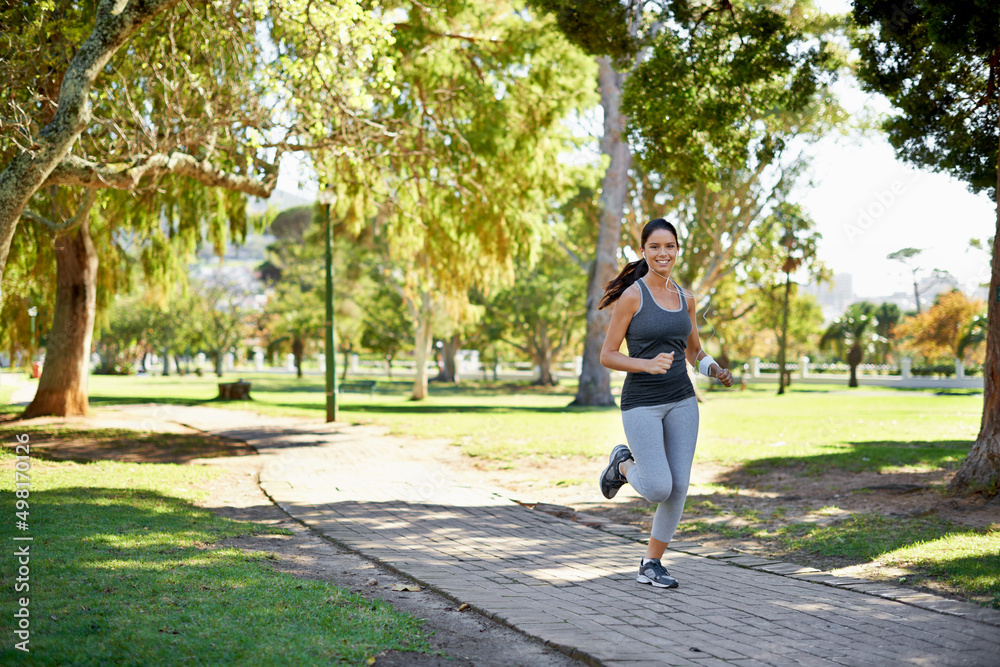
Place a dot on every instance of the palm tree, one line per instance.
(848, 334)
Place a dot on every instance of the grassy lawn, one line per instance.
(122, 571)
(818, 426)
(811, 431)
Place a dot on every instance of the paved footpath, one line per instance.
(573, 586)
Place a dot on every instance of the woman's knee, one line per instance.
(659, 492)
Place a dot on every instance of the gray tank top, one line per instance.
(653, 330)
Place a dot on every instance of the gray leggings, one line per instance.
(662, 439)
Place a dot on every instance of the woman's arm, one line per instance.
(611, 357)
(695, 352)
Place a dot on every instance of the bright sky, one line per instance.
(867, 204)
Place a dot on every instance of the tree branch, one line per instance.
(72, 223)
(74, 170)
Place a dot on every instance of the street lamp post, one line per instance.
(33, 311)
(331, 364)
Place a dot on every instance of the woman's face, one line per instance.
(660, 250)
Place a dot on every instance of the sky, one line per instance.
(867, 204)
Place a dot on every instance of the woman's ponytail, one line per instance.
(615, 288)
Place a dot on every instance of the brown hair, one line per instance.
(633, 270)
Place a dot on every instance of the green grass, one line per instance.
(916, 551)
(121, 574)
(498, 421)
(810, 430)
(813, 427)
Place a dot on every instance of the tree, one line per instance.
(887, 316)
(847, 336)
(608, 31)
(294, 276)
(482, 91)
(944, 330)
(385, 329)
(689, 135)
(906, 256)
(799, 240)
(720, 165)
(543, 312)
(185, 104)
(222, 315)
(938, 63)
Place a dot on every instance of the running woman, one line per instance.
(656, 318)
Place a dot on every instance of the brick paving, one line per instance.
(573, 586)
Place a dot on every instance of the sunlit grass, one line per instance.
(121, 571)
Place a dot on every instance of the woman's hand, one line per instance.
(660, 364)
(723, 374)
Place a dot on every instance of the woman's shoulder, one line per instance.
(631, 298)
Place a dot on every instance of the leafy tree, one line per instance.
(709, 154)
(938, 333)
(182, 118)
(908, 258)
(294, 274)
(482, 93)
(722, 165)
(938, 63)
(799, 240)
(385, 328)
(542, 313)
(849, 336)
(222, 315)
(887, 316)
(610, 31)
(122, 341)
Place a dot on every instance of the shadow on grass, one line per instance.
(126, 572)
(116, 444)
(867, 456)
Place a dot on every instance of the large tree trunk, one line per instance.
(422, 346)
(62, 388)
(595, 379)
(115, 22)
(981, 469)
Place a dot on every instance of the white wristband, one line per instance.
(705, 364)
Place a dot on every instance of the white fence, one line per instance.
(806, 372)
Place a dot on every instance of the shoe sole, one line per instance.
(646, 580)
(612, 490)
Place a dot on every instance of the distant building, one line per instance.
(833, 297)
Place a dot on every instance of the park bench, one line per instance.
(234, 391)
(358, 386)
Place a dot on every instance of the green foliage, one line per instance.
(725, 88)
(936, 63)
(850, 331)
(542, 313)
(386, 328)
(599, 27)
